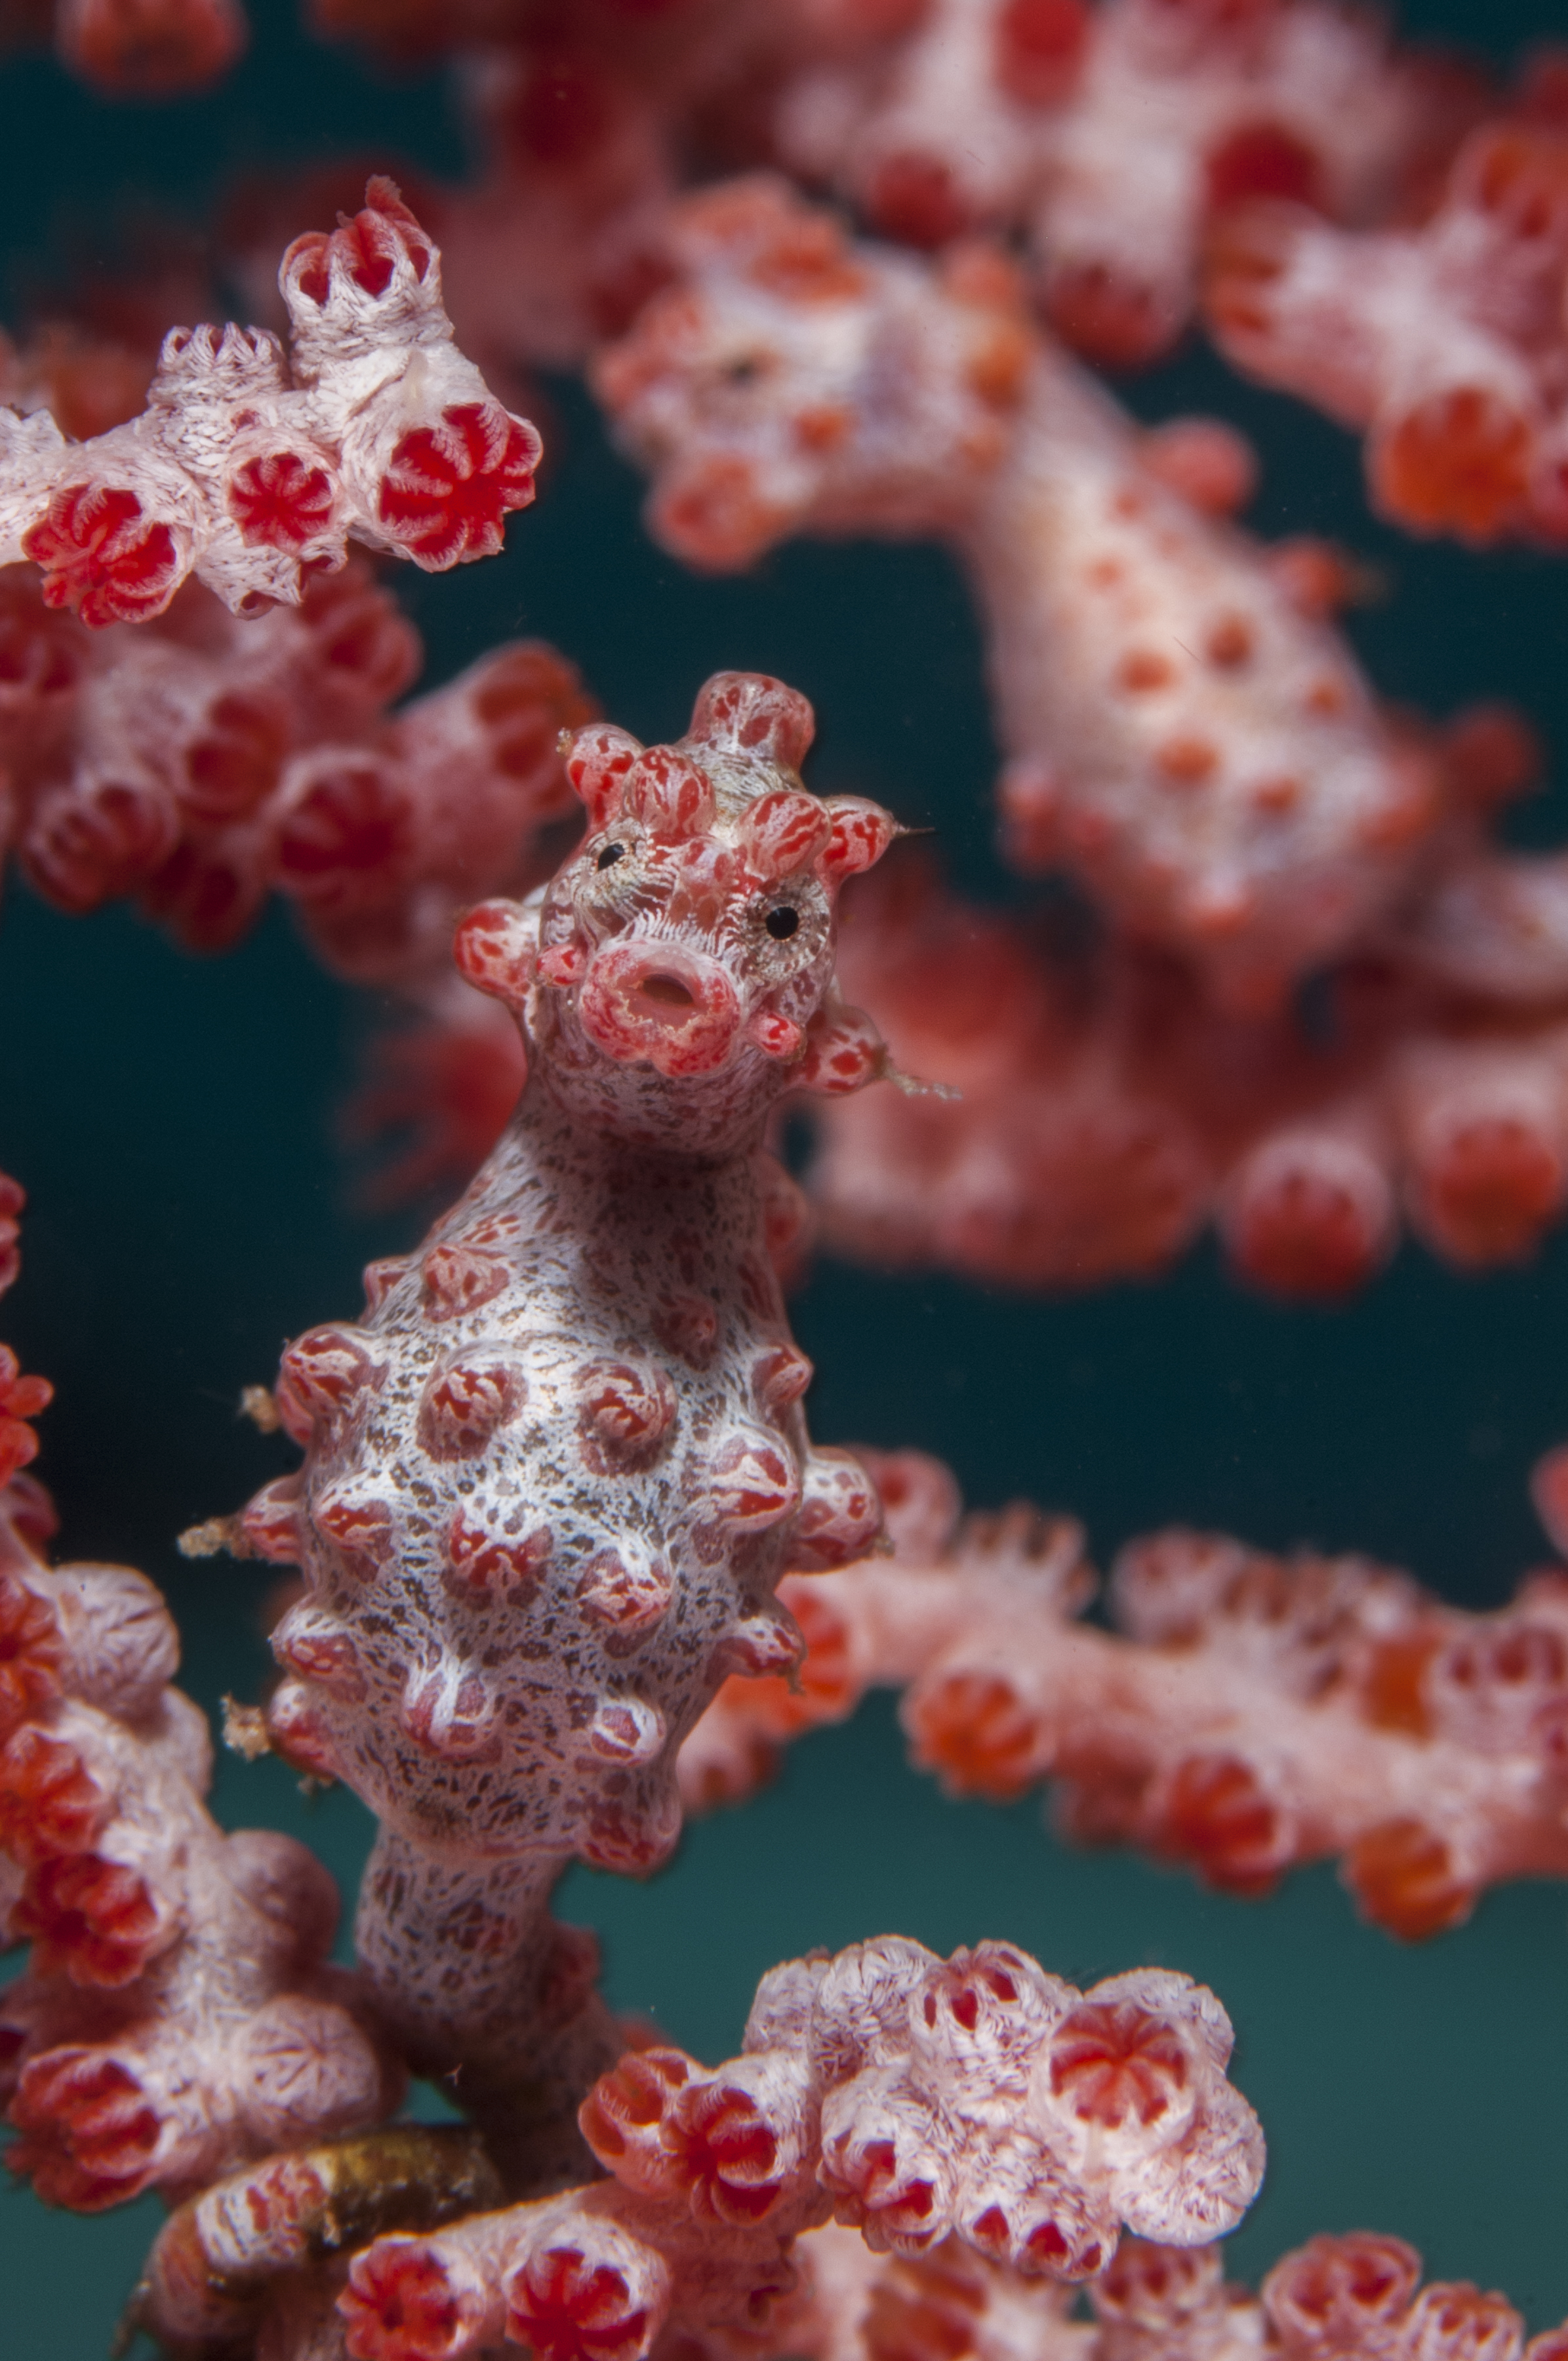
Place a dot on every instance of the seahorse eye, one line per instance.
(782, 923)
(608, 855)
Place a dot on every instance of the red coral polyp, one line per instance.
(402, 2303)
(447, 487)
(89, 2133)
(1332, 2293)
(726, 2155)
(95, 1919)
(21, 1398)
(32, 1652)
(50, 1802)
(102, 556)
(280, 501)
(569, 2308)
(1119, 2066)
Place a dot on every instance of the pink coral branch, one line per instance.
(1251, 1712)
(251, 470)
(1116, 136)
(176, 2012)
(1357, 2295)
(1101, 1111)
(200, 763)
(913, 2098)
(1445, 343)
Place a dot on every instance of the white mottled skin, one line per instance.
(513, 1617)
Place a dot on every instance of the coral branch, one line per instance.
(1252, 1713)
(913, 2098)
(251, 470)
(177, 2013)
(201, 763)
(149, 49)
(1104, 1112)
(1445, 343)
(1117, 135)
(1357, 2295)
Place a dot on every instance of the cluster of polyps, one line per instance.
(1356, 2297)
(1113, 136)
(202, 761)
(1182, 732)
(149, 49)
(1099, 1110)
(1252, 1712)
(251, 470)
(1447, 342)
(176, 2012)
(913, 2098)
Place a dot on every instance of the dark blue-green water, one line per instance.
(173, 1123)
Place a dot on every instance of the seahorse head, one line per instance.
(787, 380)
(681, 977)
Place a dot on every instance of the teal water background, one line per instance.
(173, 1122)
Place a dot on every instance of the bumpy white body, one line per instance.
(512, 1619)
(555, 1475)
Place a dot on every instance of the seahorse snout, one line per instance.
(658, 1001)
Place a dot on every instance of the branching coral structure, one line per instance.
(1096, 1110)
(177, 2013)
(1253, 1712)
(1117, 135)
(568, 1563)
(199, 761)
(251, 470)
(1444, 341)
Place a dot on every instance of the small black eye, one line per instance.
(782, 923)
(608, 855)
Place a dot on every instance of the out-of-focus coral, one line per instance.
(913, 2098)
(1249, 1713)
(176, 2012)
(1116, 137)
(199, 762)
(1358, 2296)
(588, 120)
(251, 470)
(134, 48)
(1098, 1111)
(1183, 727)
(1446, 342)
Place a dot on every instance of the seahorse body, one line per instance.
(553, 1476)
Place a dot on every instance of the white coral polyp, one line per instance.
(253, 474)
